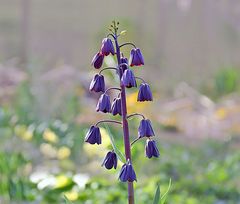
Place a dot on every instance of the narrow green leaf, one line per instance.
(164, 197)
(66, 200)
(157, 196)
(117, 151)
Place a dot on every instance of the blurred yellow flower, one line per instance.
(50, 136)
(99, 150)
(221, 113)
(134, 106)
(23, 132)
(27, 135)
(62, 181)
(48, 150)
(71, 195)
(63, 152)
(20, 129)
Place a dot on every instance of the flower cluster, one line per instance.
(117, 106)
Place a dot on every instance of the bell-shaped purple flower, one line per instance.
(93, 135)
(107, 47)
(128, 79)
(151, 149)
(116, 106)
(97, 60)
(144, 93)
(124, 64)
(110, 160)
(127, 173)
(136, 58)
(97, 83)
(145, 128)
(104, 104)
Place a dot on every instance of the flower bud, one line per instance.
(116, 106)
(104, 104)
(127, 173)
(136, 58)
(93, 135)
(151, 149)
(97, 60)
(97, 83)
(107, 47)
(145, 128)
(110, 160)
(128, 79)
(144, 93)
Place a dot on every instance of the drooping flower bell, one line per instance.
(97, 83)
(144, 93)
(97, 60)
(145, 128)
(104, 104)
(107, 47)
(110, 160)
(136, 57)
(128, 79)
(127, 173)
(116, 106)
(151, 149)
(124, 65)
(93, 135)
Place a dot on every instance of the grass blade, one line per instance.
(164, 197)
(66, 200)
(117, 151)
(157, 195)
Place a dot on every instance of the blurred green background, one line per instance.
(192, 57)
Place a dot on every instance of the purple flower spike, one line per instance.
(104, 104)
(144, 93)
(128, 79)
(127, 173)
(97, 83)
(93, 135)
(107, 47)
(145, 128)
(110, 160)
(151, 149)
(136, 58)
(97, 60)
(116, 106)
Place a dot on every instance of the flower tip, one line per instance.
(97, 60)
(97, 84)
(104, 104)
(107, 47)
(144, 93)
(93, 135)
(110, 161)
(128, 79)
(136, 57)
(145, 129)
(151, 149)
(116, 108)
(127, 173)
